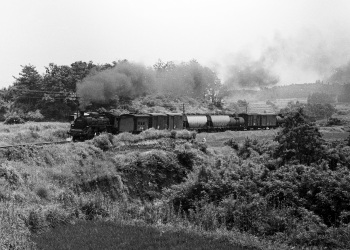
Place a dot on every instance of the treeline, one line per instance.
(61, 90)
(51, 95)
(338, 92)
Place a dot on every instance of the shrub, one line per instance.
(43, 193)
(33, 116)
(335, 122)
(14, 234)
(127, 137)
(11, 175)
(92, 210)
(203, 147)
(147, 174)
(111, 185)
(103, 141)
(60, 133)
(185, 134)
(56, 217)
(152, 133)
(186, 158)
(232, 143)
(173, 134)
(14, 119)
(67, 198)
(36, 221)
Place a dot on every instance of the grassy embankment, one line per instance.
(178, 192)
(56, 186)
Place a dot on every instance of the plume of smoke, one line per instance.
(132, 80)
(108, 86)
(310, 55)
(340, 75)
(186, 79)
(246, 72)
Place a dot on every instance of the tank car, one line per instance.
(195, 122)
(218, 122)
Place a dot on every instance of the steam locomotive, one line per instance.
(87, 125)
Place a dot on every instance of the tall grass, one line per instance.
(13, 232)
(54, 186)
(31, 132)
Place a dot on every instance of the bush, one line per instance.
(335, 122)
(146, 174)
(127, 137)
(152, 133)
(186, 158)
(33, 116)
(92, 210)
(56, 217)
(14, 233)
(60, 133)
(232, 143)
(11, 175)
(43, 193)
(14, 119)
(103, 141)
(185, 134)
(36, 221)
(67, 197)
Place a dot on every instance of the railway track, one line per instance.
(34, 144)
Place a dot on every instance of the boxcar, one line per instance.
(271, 121)
(158, 121)
(133, 123)
(175, 121)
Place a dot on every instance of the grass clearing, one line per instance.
(31, 132)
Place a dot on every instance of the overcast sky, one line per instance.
(39, 32)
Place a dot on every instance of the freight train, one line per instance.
(87, 125)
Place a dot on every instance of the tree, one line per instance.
(325, 110)
(299, 140)
(161, 66)
(244, 104)
(59, 88)
(345, 96)
(320, 98)
(24, 90)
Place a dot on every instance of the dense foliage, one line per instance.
(61, 90)
(294, 190)
(280, 190)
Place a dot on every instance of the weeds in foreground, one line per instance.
(14, 234)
